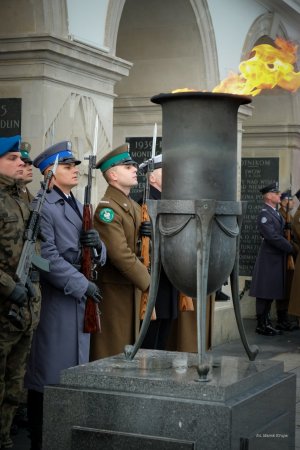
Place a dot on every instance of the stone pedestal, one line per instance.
(156, 402)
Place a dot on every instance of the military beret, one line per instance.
(287, 195)
(47, 158)
(273, 187)
(297, 194)
(25, 148)
(10, 144)
(151, 164)
(118, 156)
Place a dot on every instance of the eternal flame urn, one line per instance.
(196, 224)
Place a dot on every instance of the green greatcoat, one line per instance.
(118, 219)
(294, 304)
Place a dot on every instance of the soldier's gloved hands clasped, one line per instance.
(145, 228)
(93, 292)
(19, 294)
(91, 238)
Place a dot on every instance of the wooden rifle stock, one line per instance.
(92, 314)
(145, 256)
(88, 267)
(290, 259)
(145, 241)
(185, 303)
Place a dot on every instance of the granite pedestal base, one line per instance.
(156, 402)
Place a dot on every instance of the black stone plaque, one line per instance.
(10, 116)
(140, 149)
(256, 173)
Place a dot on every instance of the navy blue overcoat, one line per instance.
(268, 280)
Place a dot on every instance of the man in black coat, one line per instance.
(268, 280)
(166, 305)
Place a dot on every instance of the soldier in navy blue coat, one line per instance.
(59, 341)
(268, 280)
(166, 304)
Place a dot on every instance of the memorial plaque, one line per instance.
(10, 116)
(140, 149)
(256, 173)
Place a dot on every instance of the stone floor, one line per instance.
(285, 348)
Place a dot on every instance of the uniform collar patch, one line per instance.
(107, 215)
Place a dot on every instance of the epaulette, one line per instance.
(104, 202)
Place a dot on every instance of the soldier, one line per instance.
(59, 341)
(268, 281)
(15, 330)
(286, 207)
(25, 148)
(166, 304)
(118, 219)
(294, 304)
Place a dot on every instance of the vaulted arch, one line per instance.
(268, 24)
(202, 20)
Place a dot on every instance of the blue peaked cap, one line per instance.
(64, 152)
(10, 144)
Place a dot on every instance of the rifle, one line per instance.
(288, 221)
(92, 322)
(145, 240)
(28, 256)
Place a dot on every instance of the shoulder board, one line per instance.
(104, 202)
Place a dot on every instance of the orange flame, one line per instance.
(267, 68)
(184, 90)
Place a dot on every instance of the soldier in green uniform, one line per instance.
(25, 148)
(15, 335)
(118, 220)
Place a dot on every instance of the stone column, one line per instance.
(63, 84)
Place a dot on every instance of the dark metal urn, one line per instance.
(196, 225)
(199, 162)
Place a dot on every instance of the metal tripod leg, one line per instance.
(131, 350)
(234, 280)
(204, 226)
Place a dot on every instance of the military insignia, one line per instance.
(107, 215)
(264, 219)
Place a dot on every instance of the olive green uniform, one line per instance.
(294, 304)
(118, 219)
(14, 342)
(25, 194)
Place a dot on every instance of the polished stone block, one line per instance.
(89, 439)
(158, 398)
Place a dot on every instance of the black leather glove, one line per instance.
(91, 238)
(145, 229)
(93, 292)
(18, 295)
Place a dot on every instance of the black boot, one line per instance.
(35, 418)
(263, 327)
(221, 296)
(283, 322)
(270, 325)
